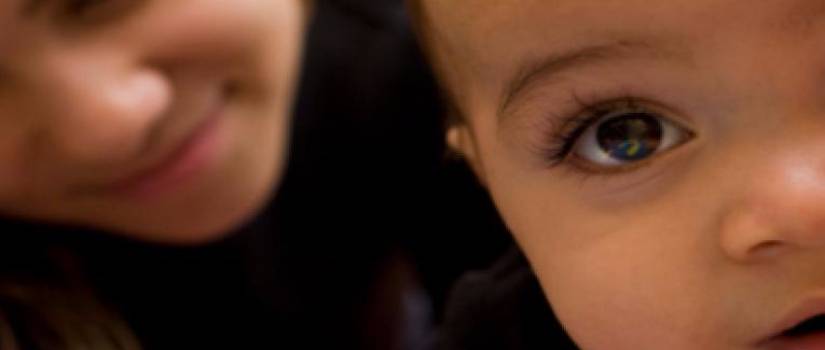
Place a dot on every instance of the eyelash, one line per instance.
(81, 7)
(97, 11)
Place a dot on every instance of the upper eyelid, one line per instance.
(34, 8)
(551, 105)
(542, 71)
(670, 114)
(105, 12)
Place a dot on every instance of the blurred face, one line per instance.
(662, 163)
(164, 120)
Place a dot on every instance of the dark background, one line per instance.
(370, 212)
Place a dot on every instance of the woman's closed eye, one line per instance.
(82, 7)
(617, 137)
(96, 11)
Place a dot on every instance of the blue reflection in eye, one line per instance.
(630, 137)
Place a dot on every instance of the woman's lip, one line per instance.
(185, 161)
(800, 313)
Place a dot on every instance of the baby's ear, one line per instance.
(461, 141)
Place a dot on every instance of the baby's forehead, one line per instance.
(484, 19)
(463, 19)
(479, 46)
(478, 28)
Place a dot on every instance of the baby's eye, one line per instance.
(626, 136)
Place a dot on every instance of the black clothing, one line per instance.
(501, 308)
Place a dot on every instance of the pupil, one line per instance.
(630, 137)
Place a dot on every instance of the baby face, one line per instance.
(661, 163)
(164, 120)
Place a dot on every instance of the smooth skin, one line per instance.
(708, 243)
(103, 106)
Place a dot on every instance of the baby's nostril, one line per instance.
(807, 327)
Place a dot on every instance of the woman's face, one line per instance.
(164, 120)
(662, 163)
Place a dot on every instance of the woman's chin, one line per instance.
(196, 230)
(195, 222)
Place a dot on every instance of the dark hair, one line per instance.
(46, 303)
(420, 24)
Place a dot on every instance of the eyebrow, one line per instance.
(31, 8)
(533, 72)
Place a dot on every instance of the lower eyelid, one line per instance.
(589, 167)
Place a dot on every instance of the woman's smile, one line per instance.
(190, 158)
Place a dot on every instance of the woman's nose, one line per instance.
(99, 109)
(782, 204)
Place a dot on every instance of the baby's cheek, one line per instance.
(619, 293)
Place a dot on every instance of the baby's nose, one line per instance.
(99, 112)
(783, 204)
